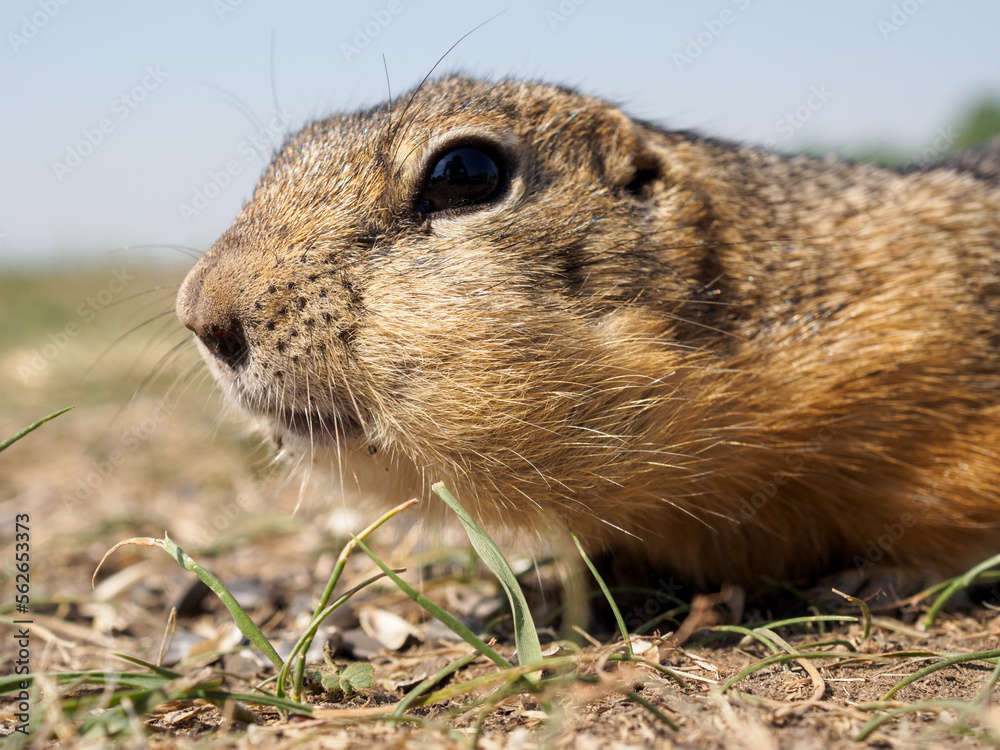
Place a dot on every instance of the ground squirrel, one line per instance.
(729, 363)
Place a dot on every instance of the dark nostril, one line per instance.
(228, 343)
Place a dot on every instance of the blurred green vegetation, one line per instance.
(32, 305)
(83, 336)
(980, 123)
(974, 125)
(101, 301)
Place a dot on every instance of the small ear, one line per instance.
(629, 162)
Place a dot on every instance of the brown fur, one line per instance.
(727, 362)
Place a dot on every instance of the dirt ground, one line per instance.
(173, 460)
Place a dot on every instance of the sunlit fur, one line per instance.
(728, 363)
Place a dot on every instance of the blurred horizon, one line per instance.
(133, 131)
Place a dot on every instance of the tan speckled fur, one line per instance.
(730, 363)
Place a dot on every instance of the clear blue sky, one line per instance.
(162, 79)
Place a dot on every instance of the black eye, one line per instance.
(465, 176)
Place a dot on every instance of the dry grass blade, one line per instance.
(819, 687)
(785, 657)
(866, 613)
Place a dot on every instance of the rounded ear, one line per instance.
(629, 161)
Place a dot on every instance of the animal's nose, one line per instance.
(227, 342)
(201, 309)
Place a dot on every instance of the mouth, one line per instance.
(316, 428)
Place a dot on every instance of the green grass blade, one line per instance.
(136, 680)
(809, 620)
(258, 699)
(30, 428)
(164, 672)
(945, 662)
(649, 706)
(411, 697)
(296, 658)
(247, 626)
(866, 613)
(607, 593)
(956, 585)
(529, 650)
(983, 696)
(912, 708)
(444, 616)
(783, 657)
(749, 633)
